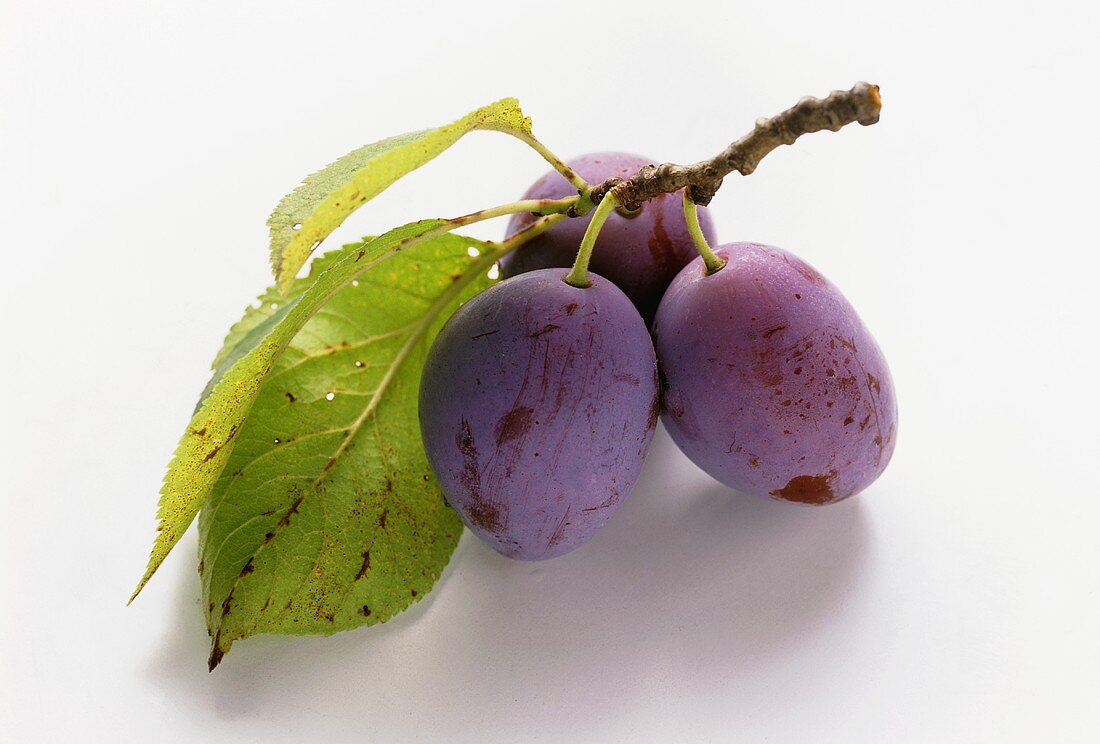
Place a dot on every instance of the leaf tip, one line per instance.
(154, 564)
(217, 653)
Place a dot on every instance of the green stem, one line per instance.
(538, 227)
(578, 275)
(583, 187)
(534, 206)
(691, 214)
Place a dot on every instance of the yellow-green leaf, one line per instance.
(208, 440)
(324, 200)
(327, 516)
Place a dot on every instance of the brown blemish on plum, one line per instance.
(849, 344)
(514, 424)
(660, 246)
(545, 329)
(873, 383)
(808, 272)
(767, 368)
(486, 516)
(808, 489)
(627, 378)
(570, 308)
(655, 412)
(772, 331)
(483, 335)
(559, 532)
(606, 503)
(481, 513)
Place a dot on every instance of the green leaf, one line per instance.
(204, 449)
(324, 200)
(327, 516)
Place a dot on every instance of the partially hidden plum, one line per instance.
(538, 402)
(641, 253)
(771, 383)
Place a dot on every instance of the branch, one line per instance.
(860, 104)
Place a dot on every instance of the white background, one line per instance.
(142, 145)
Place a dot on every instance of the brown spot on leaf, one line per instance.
(382, 516)
(365, 566)
(364, 611)
(285, 519)
(217, 448)
(216, 653)
(248, 567)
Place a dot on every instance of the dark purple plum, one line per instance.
(537, 406)
(641, 253)
(771, 383)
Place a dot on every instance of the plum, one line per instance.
(538, 402)
(770, 382)
(641, 253)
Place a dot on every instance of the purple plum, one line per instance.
(771, 383)
(641, 253)
(537, 406)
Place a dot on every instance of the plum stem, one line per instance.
(842, 107)
(691, 215)
(578, 275)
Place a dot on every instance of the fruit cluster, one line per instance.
(539, 398)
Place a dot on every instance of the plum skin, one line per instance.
(771, 383)
(538, 402)
(641, 254)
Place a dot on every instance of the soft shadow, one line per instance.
(690, 580)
